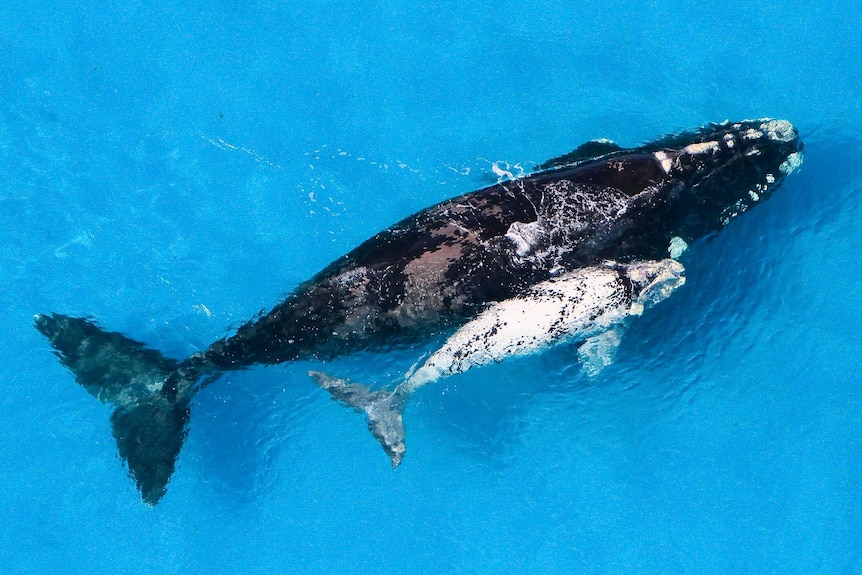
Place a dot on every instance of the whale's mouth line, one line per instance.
(764, 189)
(740, 163)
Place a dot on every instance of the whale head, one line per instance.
(722, 170)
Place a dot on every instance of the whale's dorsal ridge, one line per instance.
(586, 151)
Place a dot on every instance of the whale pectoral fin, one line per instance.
(598, 352)
(383, 411)
(150, 394)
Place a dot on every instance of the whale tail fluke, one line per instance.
(383, 411)
(149, 435)
(151, 394)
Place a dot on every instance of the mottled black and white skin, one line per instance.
(590, 305)
(580, 304)
(438, 269)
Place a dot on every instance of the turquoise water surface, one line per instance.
(171, 170)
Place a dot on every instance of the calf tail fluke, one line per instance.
(383, 411)
(151, 394)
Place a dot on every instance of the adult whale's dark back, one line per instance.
(436, 269)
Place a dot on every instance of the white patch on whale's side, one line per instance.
(579, 305)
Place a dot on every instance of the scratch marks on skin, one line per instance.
(526, 237)
(566, 210)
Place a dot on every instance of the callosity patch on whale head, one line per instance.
(722, 170)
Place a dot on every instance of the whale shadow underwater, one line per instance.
(569, 254)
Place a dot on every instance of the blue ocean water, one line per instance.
(170, 170)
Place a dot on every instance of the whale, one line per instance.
(574, 247)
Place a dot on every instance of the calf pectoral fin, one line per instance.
(598, 352)
(383, 411)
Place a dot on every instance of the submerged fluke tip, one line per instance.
(383, 411)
